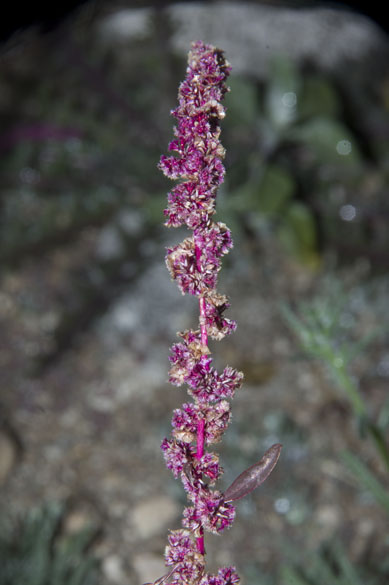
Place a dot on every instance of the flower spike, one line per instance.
(194, 264)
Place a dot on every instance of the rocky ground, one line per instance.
(88, 428)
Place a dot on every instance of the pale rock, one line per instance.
(152, 516)
(110, 244)
(328, 518)
(252, 33)
(113, 570)
(126, 23)
(149, 567)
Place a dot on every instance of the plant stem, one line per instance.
(203, 325)
(200, 438)
(199, 453)
(200, 541)
(201, 424)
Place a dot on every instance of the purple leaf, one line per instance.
(250, 479)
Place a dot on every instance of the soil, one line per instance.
(89, 426)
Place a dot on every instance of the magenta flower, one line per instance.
(194, 265)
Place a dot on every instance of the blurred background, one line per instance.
(88, 312)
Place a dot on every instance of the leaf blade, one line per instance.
(254, 476)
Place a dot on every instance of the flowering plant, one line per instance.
(194, 265)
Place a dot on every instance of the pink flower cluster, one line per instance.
(188, 565)
(194, 265)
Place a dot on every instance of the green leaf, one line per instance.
(241, 102)
(282, 92)
(241, 200)
(275, 189)
(298, 234)
(318, 98)
(154, 207)
(330, 140)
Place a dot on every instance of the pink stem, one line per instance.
(199, 453)
(203, 325)
(200, 542)
(200, 438)
(203, 320)
(201, 424)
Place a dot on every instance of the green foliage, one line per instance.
(298, 233)
(318, 325)
(242, 102)
(332, 566)
(275, 190)
(281, 93)
(330, 140)
(36, 553)
(367, 479)
(75, 148)
(295, 159)
(323, 329)
(318, 98)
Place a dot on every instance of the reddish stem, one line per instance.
(200, 542)
(203, 324)
(199, 454)
(201, 424)
(200, 438)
